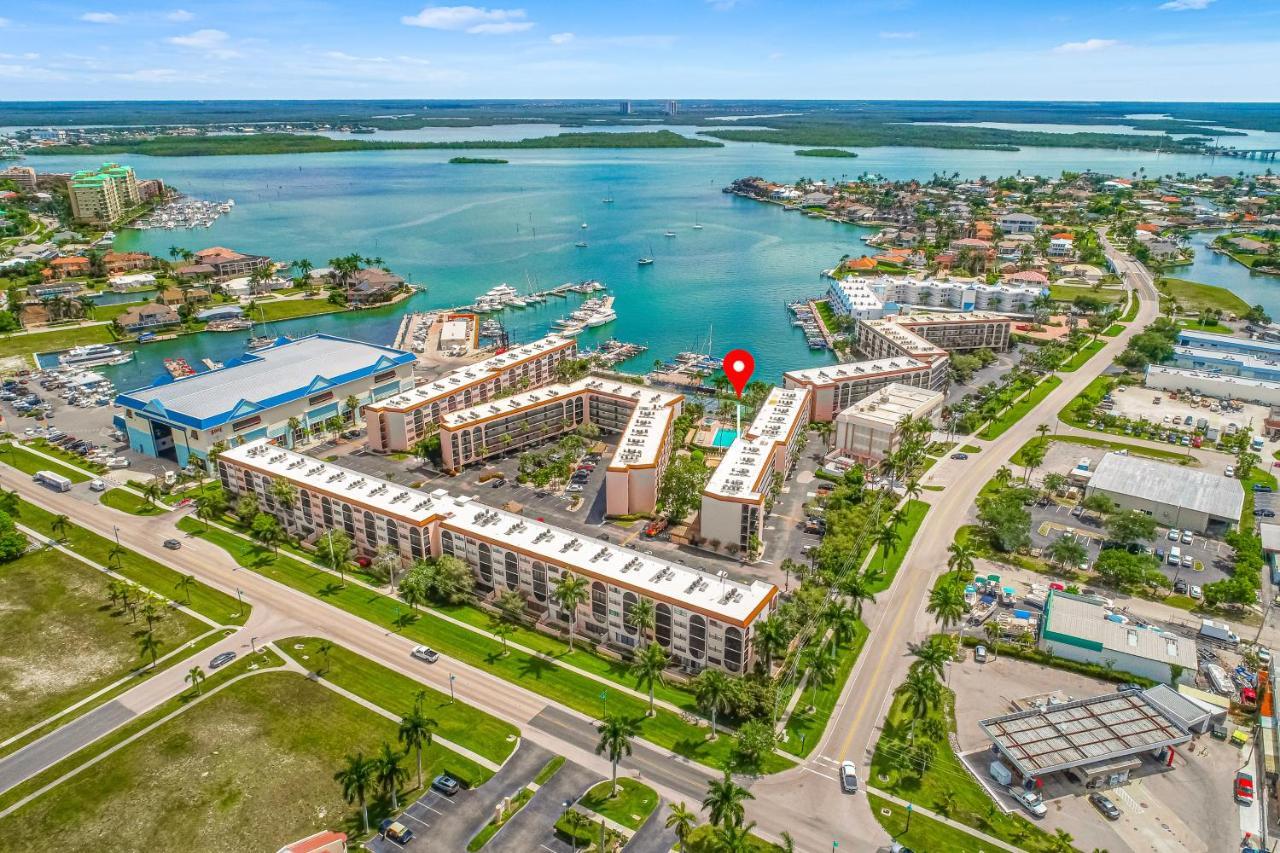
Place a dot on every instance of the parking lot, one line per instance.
(1210, 558)
(1139, 403)
(1160, 806)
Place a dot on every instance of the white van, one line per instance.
(1175, 556)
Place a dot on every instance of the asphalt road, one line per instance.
(899, 617)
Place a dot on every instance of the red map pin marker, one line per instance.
(738, 367)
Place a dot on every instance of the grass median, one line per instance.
(537, 673)
(126, 501)
(889, 562)
(1018, 410)
(205, 600)
(1081, 356)
(456, 721)
(29, 463)
(806, 724)
(630, 806)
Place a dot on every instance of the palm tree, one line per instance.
(681, 820)
(59, 526)
(570, 591)
(648, 668)
(839, 617)
(10, 502)
(735, 839)
(389, 774)
(324, 649)
(210, 505)
(149, 645)
(616, 733)
(284, 495)
(946, 604)
(820, 670)
(929, 655)
(642, 616)
(770, 637)
(887, 538)
(712, 690)
(151, 612)
(415, 733)
(195, 677)
(578, 824)
(151, 492)
(1061, 842)
(960, 558)
(184, 585)
(724, 801)
(920, 691)
(859, 588)
(356, 777)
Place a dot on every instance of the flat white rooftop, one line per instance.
(1199, 491)
(742, 469)
(640, 394)
(718, 597)
(472, 374)
(781, 413)
(1191, 376)
(903, 338)
(832, 374)
(888, 406)
(641, 442)
(960, 319)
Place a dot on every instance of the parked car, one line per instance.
(1195, 592)
(363, 562)
(1030, 800)
(1174, 534)
(498, 483)
(396, 831)
(849, 777)
(222, 660)
(1188, 562)
(1259, 487)
(97, 485)
(1077, 511)
(1187, 537)
(980, 654)
(1105, 806)
(574, 488)
(1180, 586)
(1230, 471)
(425, 653)
(446, 785)
(1244, 788)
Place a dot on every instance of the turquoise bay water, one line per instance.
(459, 230)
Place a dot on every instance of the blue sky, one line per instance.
(950, 49)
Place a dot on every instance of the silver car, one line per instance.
(848, 777)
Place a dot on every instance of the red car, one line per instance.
(363, 562)
(655, 527)
(1244, 788)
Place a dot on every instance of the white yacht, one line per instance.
(90, 354)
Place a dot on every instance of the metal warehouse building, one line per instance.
(1175, 496)
(1077, 628)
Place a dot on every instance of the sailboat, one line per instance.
(647, 259)
(669, 233)
(697, 226)
(608, 196)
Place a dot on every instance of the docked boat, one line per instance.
(93, 354)
(599, 318)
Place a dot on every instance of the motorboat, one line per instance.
(89, 354)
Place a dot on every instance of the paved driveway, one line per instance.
(450, 822)
(532, 829)
(653, 836)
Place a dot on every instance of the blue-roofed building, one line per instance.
(257, 395)
(1267, 350)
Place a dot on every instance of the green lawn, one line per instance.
(209, 602)
(1068, 292)
(535, 673)
(971, 448)
(1192, 296)
(548, 770)
(251, 767)
(946, 787)
(1078, 358)
(59, 339)
(914, 512)
(926, 835)
(126, 501)
(458, 722)
(1113, 330)
(630, 806)
(812, 723)
(27, 462)
(703, 840)
(285, 309)
(71, 460)
(1015, 413)
(62, 640)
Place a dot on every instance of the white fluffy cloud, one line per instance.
(1185, 5)
(1086, 46)
(893, 35)
(179, 15)
(201, 39)
(100, 17)
(561, 38)
(477, 20)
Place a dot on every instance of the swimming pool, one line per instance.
(724, 437)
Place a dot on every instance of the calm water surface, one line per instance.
(459, 230)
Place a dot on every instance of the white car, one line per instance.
(1195, 592)
(1230, 471)
(1174, 534)
(1030, 801)
(1187, 537)
(425, 653)
(848, 777)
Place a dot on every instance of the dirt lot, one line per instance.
(1187, 808)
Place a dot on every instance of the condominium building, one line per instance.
(399, 422)
(101, 196)
(742, 489)
(702, 620)
(869, 430)
(835, 387)
(644, 416)
(961, 332)
(873, 298)
(23, 176)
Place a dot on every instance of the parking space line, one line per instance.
(416, 819)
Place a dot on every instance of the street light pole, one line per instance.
(240, 598)
(451, 679)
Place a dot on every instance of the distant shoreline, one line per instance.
(289, 143)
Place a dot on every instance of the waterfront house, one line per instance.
(52, 289)
(118, 262)
(371, 286)
(221, 264)
(178, 296)
(124, 283)
(148, 317)
(61, 268)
